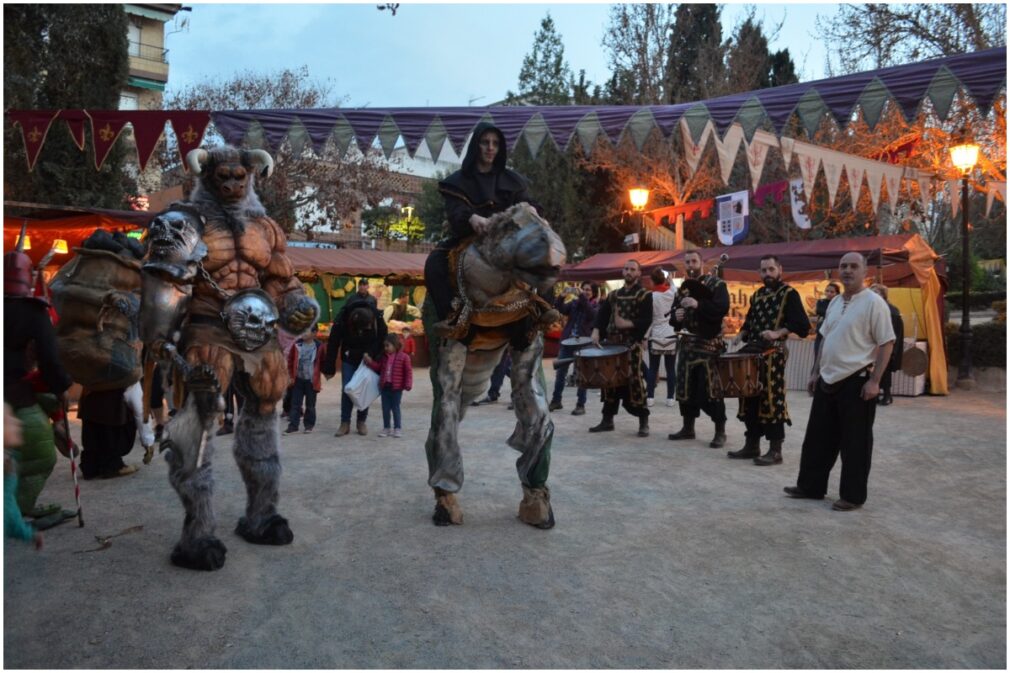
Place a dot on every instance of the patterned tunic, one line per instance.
(773, 309)
(705, 322)
(635, 304)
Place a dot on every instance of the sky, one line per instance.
(428, 54)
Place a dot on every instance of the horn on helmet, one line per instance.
(21, 237)
(262, 157)
(195, 159)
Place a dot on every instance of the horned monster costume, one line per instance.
(216, 284)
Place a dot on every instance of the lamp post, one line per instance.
(639, 197)
(964, 155)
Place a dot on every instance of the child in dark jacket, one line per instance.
(395, 376)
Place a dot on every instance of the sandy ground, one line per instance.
(666, 554)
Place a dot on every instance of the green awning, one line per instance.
(142, 83)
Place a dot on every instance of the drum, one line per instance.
(576, 343)
(603, 367)
(737, 375)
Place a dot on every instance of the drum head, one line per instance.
(601, 352)
(576, 342)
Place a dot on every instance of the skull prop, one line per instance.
(251, 317)
(176, 237)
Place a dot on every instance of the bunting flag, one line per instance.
(689, 210)
(854, 173)
(833, 175)
(733, 217)
(775, 190)
(189, 127)
(809, 157)
(786, 145)
(798, 204)
(757, 152)
(35, 125)
(693, 150)
(75, 119)
(148, 127)
(874, 178)
(923, 181)
(992, 190)
(727, 149)
(105, 129)
(892, 179)
(954, 193)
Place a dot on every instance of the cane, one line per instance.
(73, 464)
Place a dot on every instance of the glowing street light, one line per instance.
(639, 198)
(964, 156)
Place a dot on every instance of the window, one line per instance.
(129, 100)
(133, 35)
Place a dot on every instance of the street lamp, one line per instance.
(964, 155)
(639, 197)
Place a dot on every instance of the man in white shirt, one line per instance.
(845, 382)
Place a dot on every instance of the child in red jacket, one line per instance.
(395, 376)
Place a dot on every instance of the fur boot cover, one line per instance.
(535, 508)
(447, 509)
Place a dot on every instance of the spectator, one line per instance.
(581, 313)
(107, 434)
(898, 325)
(503, 369)
(14, 524)
(395, 376)
(305, 362)
(358, 329)
(661, 337)
(401, 310)
(830, 292)
(409, 345)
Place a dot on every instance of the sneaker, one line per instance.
(669, 401)
(554, 406)
(385, 432)
(307, 430)
(649, 402)
(579, 410)
(397, 433)
(290, 431)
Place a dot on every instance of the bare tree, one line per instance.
(637, 40)
(876, 35)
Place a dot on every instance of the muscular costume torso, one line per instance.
(236, 261)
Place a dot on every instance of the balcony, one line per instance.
(148, 52)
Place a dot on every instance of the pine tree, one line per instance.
(65, 57)
(694, 66)
(545, 77)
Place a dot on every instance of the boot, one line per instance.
(447, 509)
(719, 440)
(535, 508)
(774, 455)
(362, 428)
(606, 424)
(686, 432)
(751, 448)
(643, 426)
(344, 429)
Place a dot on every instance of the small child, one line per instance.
(14, 525)
(395, 376)
(408, 344)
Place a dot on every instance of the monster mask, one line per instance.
(251, 317)
(176, 240)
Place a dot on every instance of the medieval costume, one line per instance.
(634, 303)
(469, 192)
(774, 307)
(697, 355)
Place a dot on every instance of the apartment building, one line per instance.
(148, 56)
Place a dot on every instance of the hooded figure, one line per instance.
(481, 188)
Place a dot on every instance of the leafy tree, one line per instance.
(695, 68)
(65, 56)
(308, 193)
(876, 35)
(430, 208)
(545, 77)
(749, 64)
(637, 40)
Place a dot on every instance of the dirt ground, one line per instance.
(665, 554)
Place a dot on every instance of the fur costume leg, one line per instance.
(445, 464)
(257, 440)
(533, 435)
(198, 548)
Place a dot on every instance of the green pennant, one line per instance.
(941, 91)
(750, 117)
(588, 130)
(640, 125)
(255, 138)
(342, 135)
(389, 132)
(534, 133)
(297, 136)
(811, 109)
(435, 137)
(872, 100)
(696, 119)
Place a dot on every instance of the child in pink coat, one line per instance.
(395, 376)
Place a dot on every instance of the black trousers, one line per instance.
(698, 399)
(757, 429)
(885, 382)
(436, 280)
(841, 422)
(103, 447)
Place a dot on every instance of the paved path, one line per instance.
(665, 555)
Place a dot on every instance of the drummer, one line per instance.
(624, 317)
(701, 317)
(579, 306)
(775, 310)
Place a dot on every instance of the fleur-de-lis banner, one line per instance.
(34, 129)
(189, 127)
(105, 129)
